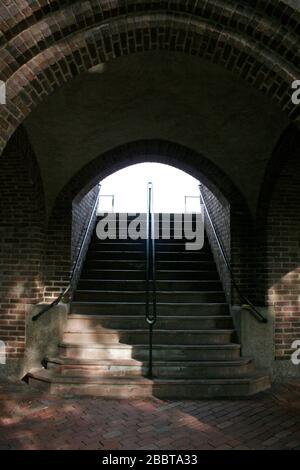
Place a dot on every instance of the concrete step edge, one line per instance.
(160, 330)
(167, 363)
(227, 346)
(48, 376)
(78, 316)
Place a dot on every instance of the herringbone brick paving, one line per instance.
(32, 420)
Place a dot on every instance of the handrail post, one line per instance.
(150, 275)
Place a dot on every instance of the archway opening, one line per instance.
(125, 190)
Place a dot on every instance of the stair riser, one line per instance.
(132, 255)
(138, 323)
(141, 285)
(170, 238)
(131, 264)
(133, 247)
(94, 296)
(142, 354)
(162, 391)
(181, 372)
(98, 245)
(163, 310)
(167, 337)
(161, 243)
(140, 275)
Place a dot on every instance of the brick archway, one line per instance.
(48, 47)
(165, 152)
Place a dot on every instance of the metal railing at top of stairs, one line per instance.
(73, 276)
(247, 304)
(150, 275)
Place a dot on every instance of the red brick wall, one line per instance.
(57, 257)
(36, 254)
(81, 215)
(81, 212)
(234, 228)
(21, 240)
(282, 245)
(220, 215)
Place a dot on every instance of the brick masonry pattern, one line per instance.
(31, 421)
(45, 44)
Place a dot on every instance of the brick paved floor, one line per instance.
(31, 420)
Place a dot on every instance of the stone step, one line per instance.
(172, 369)
(141, 255)
(140, 285)
(140, 296)
(136, 264)
(161, 352)
(138, 308)
(127, 274)
(95, 323)
(161, 247)
(140, 387)
(132, 337)
(119, 245)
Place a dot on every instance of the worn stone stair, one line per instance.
(104, 351)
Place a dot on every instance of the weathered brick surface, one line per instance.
(21, 240)
(81, 211)
(35, 252)
(82, 208)
(44, 46)
(282, 245)
(219, 211)
(268, 421)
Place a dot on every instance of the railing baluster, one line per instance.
(150, 275)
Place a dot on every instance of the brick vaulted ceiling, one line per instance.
(45, 43)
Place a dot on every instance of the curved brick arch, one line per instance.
(164, 152)
(15, 18)
(58, 64)
(23, 46)
(158, 151)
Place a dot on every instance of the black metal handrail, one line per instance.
(75, 266)
(150, 275)
(248, 305)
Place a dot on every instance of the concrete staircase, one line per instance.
(104, 351)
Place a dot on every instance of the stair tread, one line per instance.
(78, 316)
(183, 281)
(95, 302)
(93, 250)
(121, 291)
(176, 362)
(142, 270)
(92, 345)
(158, 330)
(50, 376)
